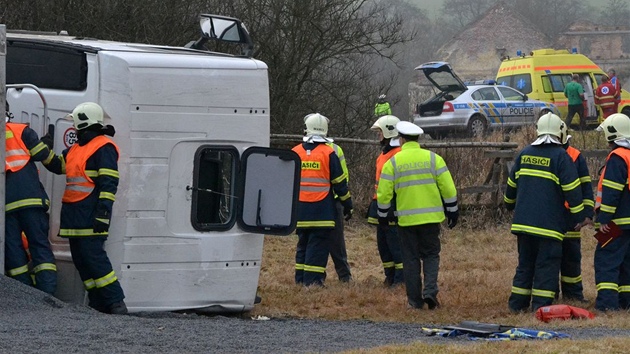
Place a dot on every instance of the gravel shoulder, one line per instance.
(31, 321)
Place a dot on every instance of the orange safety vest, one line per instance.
(315, 173)
(17, 154)
(78, 184)
(625, 155)
(380, 161)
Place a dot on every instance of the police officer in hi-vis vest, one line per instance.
(612, 205)
(321, 174)
(91, 168)
(26, 209)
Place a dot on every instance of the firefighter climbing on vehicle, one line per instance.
(387, 238)
(321, 174)
(91, 168)
(26, 209)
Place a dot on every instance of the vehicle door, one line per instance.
(517, 111)
(555, 83)
(589, 86)
(488, 102)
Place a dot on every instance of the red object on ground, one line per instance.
(562, 312)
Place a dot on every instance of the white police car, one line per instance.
(473, 108)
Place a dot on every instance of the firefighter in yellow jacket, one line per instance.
(91, 168)
(425, 196)
(321, 174)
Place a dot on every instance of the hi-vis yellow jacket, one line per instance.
(423, 185)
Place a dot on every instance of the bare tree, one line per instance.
(615, 13)
(557, 16)
(462, 12)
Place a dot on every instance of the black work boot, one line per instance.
(118, 308)
(432, 303)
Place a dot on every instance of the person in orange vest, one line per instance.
(321, 174)
(612, 207)
(26, 209)
(91, 168)
(614, 80)
(571, 264)
(387, 238)
(605, 97)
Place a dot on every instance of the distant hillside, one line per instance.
(434, 6)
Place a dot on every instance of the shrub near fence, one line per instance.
(479, 167)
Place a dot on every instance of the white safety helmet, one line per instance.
(616, 126)
(316, 124)
(86, 115)
(552, 124)
(387, 125)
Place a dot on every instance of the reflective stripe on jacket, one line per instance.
(422, 184)
(605, 95)
(618, 189)
(17, 154)
(586, 186)
(315, 181)
(79, 183)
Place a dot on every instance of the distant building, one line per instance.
(607, 46)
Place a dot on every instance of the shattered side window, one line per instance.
(214, 188)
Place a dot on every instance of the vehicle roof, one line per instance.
(95, 45)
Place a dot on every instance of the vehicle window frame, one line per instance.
(483, 91)
(512, 80)
(519, 96)
(559, 80)
(208, 208)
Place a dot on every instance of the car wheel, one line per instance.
(626, 111)
(477, 126)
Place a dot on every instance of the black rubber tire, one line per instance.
(477, 126)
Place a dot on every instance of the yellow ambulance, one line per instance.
(543, 74)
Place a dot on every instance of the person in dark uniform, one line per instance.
(26, 206)
(321, 178)
(91, 168)
(542, 179)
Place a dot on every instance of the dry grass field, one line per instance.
(478, 261)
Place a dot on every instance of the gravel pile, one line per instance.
(31, 321)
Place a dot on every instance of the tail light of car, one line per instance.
(448, 107)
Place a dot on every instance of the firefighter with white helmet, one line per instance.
(382, 107)
(91, 168)
(26, 209)
(425, 196)
(612, 206)
(317, 126)
(322, 178)
(542, 179)
(387, 238)
(571, 264)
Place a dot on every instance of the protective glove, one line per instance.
(48, 140)
(347, 209)
(101, 221)
(452, 218)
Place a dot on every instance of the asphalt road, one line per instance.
(33, 322)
